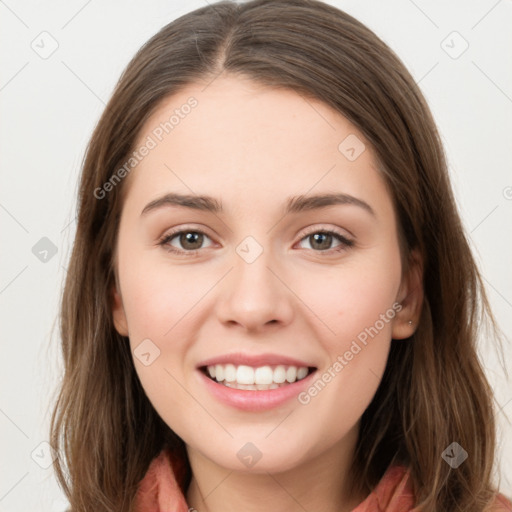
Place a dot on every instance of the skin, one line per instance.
(252, 147)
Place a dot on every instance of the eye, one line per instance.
(322, 240)
(191, 240)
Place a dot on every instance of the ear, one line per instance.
(118, 314)
(410, 296)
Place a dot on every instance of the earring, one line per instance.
(410, 322)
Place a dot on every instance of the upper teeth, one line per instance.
(261, 375)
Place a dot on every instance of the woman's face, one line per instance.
(271, 281)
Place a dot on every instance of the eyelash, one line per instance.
(345, 243)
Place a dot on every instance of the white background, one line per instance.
(50, 106)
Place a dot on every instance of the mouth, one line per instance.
(260, 378)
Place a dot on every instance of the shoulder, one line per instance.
(395, 488)
(393, 493)
(501, 504)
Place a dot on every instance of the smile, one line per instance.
(255, 383)
(259, 378)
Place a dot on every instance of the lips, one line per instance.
(255, 382)
(261, 372)
(238, 359)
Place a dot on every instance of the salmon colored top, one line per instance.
(161, 490)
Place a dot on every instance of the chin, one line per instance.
(270, 462)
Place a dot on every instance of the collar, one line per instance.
(161, 489)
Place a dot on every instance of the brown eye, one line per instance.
(188, 241)
(321, 241)
(191, 240)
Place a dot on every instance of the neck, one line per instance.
(320, 483)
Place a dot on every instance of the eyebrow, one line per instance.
(295, 204)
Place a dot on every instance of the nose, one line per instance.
(255, 295)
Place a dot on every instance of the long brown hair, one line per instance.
(434, 391)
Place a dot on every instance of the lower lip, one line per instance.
(255, 400)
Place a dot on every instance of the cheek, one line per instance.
(357, 302)
(351, 298)
(157, 296)
(157, 300)
(159, 304)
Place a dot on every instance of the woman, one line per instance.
(255, 368)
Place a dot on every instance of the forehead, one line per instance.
(252, 145)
